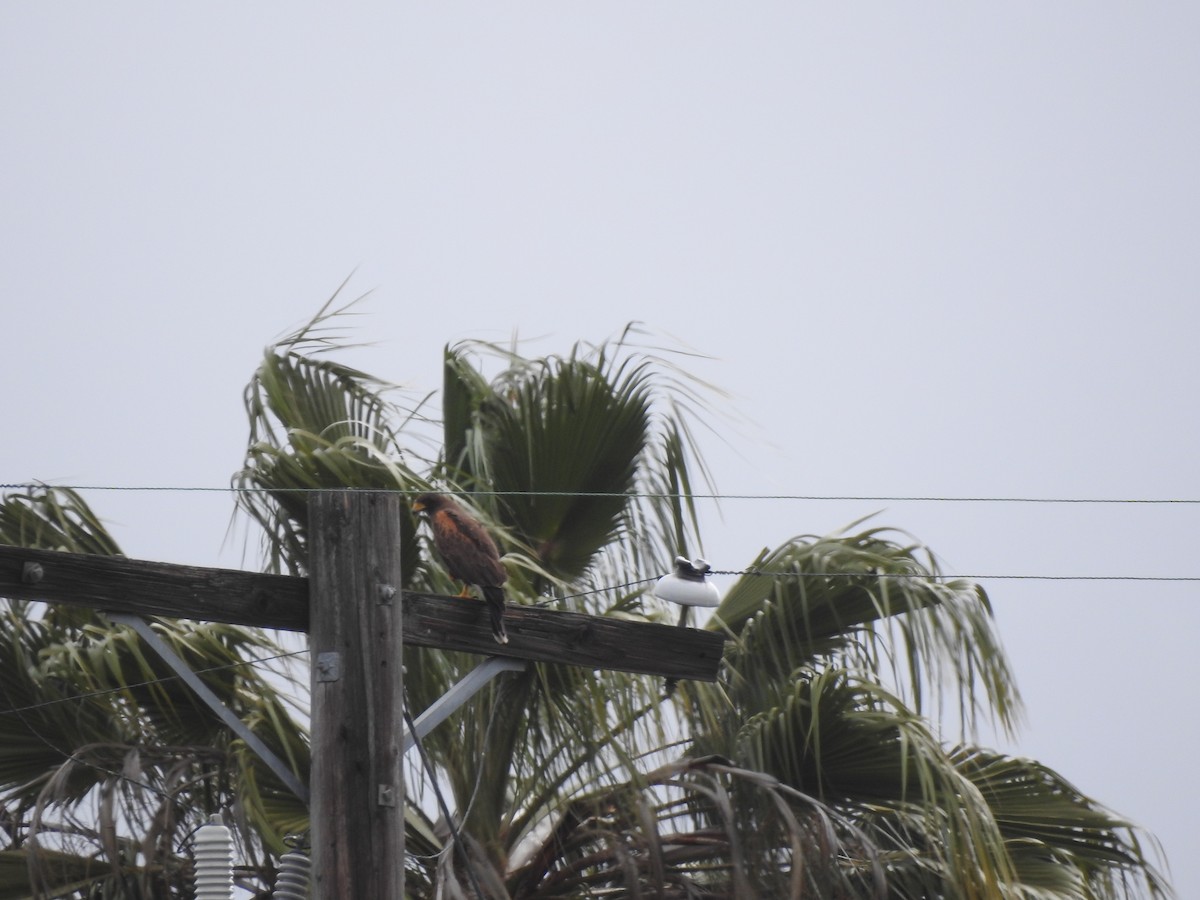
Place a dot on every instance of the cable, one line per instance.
(857, 498)
(612, 587)
(938, 576)
(71, 757)
(445, 808)
(18, 710)
(1183, 501)
(943, 576)
(1182, 578)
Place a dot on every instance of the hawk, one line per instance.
(469, 553)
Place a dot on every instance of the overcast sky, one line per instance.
(932, 250)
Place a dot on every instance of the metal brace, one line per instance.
(449, 702)
(156, 643)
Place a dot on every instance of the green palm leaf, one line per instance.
(814, 766)
(316, 424)
(869, 603)
(855, 747)
(586, 460)
(1063, 844)
(89, 714)
(53, 518)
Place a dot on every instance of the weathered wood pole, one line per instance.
(355, 633)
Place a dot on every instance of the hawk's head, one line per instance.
(430, 503)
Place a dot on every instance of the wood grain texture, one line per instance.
(430, 620)
(149, 588)
(595, 642)
(357, 780)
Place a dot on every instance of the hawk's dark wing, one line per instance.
(466, 548)
(469, 553)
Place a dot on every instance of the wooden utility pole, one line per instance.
(355, 635)
(357, 618)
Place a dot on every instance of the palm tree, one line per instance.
(108, 763)
(813, 767)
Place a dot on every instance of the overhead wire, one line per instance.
(68, 756)
(151, 682)
(881, 498)
(457, 844)
(73, 757)
(750, 573)
(952, 576)
(662, 495)
(468, 864)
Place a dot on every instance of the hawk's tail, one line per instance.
(495, 600)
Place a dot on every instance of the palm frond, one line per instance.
(316, 424)
(53, 518)
(586, 460)
(816, 768)
(73, 873)
(96, 729)
(1062, 842)
(871, 603)
(697, 827)
(558, 443)
(855, 747)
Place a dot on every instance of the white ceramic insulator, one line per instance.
(686, 591)
(214, 861)
(292, 881)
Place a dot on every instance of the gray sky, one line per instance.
(934, 250)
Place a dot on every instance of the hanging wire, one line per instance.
(857, 498)
(898, 498)
(749, 573)
(71, 757)
(18, 710)
(550, 601)
(943, 576)
(455, 836)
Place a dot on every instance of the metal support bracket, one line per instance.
(329, 666)
(159, 646)
(471, 684)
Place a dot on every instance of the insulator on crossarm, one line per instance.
(214, 861)
(686, 584)
(292, 881)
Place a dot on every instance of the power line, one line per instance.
(1149, 578)
(455, 836)
(19, 710)
(856, 498)
(944, 576)
(923, 576)
(73, 757)
(1134, 578)
(69, 756)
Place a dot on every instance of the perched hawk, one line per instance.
(469, 553)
